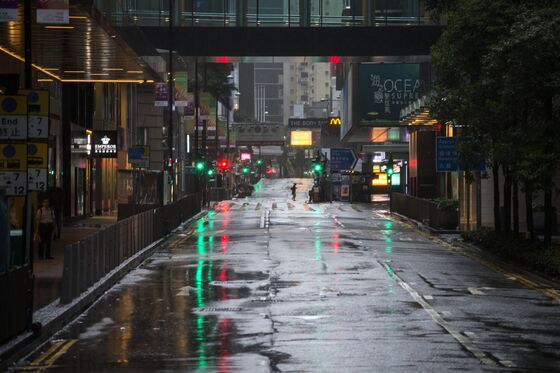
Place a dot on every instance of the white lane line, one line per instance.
(508, 363)
(463, 340)
(428, 297)
(475, 291)
(263, 212)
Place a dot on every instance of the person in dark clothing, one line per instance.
(294, 189)
(45, 222)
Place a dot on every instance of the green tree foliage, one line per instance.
(498, 68)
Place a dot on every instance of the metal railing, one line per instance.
(423, 211)
(15, 287)
(89, 260)
(287, 13)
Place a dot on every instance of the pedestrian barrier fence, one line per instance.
(87, 261)
(15, 290)
(424, 211)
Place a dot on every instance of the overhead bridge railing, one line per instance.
(287, 13)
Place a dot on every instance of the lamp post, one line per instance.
(170, 97)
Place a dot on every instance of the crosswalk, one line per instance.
(284, 205)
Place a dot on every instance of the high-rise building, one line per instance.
(306, 85)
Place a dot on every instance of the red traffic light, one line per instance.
(223, 164)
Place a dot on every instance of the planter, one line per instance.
(448, 219)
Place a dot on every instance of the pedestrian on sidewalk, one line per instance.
(45, 223)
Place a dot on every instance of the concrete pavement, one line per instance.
(268, 284)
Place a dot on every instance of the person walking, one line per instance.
(45, 223)
(294, 189)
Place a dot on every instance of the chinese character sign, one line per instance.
(385, 89)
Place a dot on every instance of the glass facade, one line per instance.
(266, 13)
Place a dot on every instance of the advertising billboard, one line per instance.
(385, 89)
(259, 134)
(301, 138)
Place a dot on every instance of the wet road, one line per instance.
(265, 284)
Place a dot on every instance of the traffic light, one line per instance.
(390, 170)
(169, 163)
(259, 162)
(223, 164)
(317, 167)
(210, 172)
(245, 170)
(200, 165)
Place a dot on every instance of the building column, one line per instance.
(241, 9)
(305, 13)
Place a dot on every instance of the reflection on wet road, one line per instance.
(265, 284)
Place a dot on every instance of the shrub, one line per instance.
(524, 252)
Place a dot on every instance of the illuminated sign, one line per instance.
(301, 138)
(245, 156)
(307, 122)
(380, 180)
(104, 144)
(335, 121)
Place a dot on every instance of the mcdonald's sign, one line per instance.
(335, 121)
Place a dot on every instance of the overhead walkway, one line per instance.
(275, 28)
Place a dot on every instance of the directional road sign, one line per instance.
(343, 159)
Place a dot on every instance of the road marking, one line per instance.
(60, 352)
(463, 340)
(475, 291)
(47, 353)
(428, 297)
(542, 288)
(290, 206)
(258, 207)
(306, 207)
(274, 205)
(262, 219)
(185, 291)
(508, 363)
(355, 208)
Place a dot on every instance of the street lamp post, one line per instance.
(170, 97)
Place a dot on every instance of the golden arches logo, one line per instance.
(335, 121)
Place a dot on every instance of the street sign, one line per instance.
(13, 118)
(343, 159)
(447, 156)
(139, 156)
(37, 161)
(38, 118)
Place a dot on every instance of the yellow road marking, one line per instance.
(47, 353)
(60, 352)
(544, 289)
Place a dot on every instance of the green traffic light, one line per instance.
(259, 162)
(210, 172)
(245, 170)
(318, 168)
(199, 165)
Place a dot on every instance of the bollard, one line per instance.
(95, 255)
(89, 261)
(68, 279)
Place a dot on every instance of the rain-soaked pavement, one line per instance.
(265, 284)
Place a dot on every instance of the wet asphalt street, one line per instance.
(265, 284)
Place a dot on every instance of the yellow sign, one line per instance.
(13, 157)
(301, 138)
(38, 102)
(335, 121)
(13, 105)
(37, 153)
(380, 180)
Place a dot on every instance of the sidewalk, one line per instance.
(48, 273)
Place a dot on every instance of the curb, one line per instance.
(423, 227)
(533, 279)
(54, 317)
